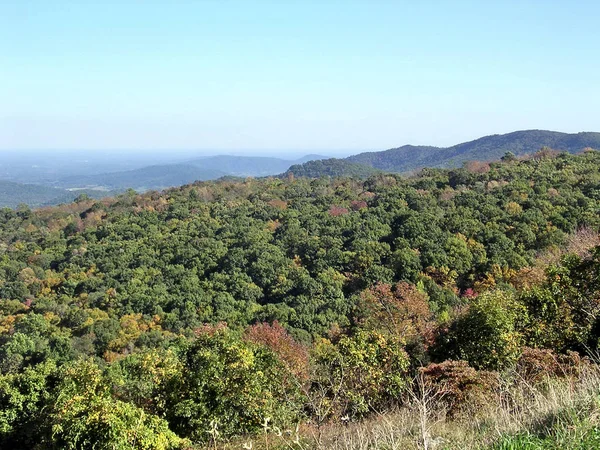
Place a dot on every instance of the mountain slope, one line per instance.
(332, 167)
(396, 159)
(488, 148)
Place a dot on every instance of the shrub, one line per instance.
(359, 374)
(536, 365)
(229, 382)
(85, 416)
(486, 335)
(291, 353)
(460, 385)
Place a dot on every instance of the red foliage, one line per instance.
(545, 153)
(293, 354)
(337, 211)
(469, 293)
(477, 167)
(357, 205)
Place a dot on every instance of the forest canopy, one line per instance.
(153, 319)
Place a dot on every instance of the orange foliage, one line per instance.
(537, 364)
(477, 167)
(291, 353)
(460, 384)
(279, 204)
(132, 326)
(210, 329)
(528, 277)
(272, 225)
(497, 275)
(402, 310)
(368, 195)
(337, 211)
(357, 205)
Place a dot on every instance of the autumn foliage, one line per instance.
(293, 354)
(402, 310)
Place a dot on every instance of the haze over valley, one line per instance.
(34, 179)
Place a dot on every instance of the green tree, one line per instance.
(487, 334)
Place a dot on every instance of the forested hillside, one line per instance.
(489, 148)
(331, 167)
(242, 309)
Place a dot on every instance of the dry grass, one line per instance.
(518, 407)
(579, 243)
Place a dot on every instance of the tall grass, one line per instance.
(550, 414)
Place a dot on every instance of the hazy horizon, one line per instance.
(288, 153)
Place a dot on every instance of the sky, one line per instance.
(326, 75)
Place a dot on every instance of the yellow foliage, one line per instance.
(513, 208)
(132, 326)
(52, 318)
(7, 323)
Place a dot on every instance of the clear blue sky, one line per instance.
(293, 74)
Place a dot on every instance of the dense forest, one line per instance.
(245, 313)
(331, 167)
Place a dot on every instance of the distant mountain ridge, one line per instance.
(51, 191)
(151, 177)
(250, 166)
(198, 169)
(13, 194)
(410, 157)
(403, 159)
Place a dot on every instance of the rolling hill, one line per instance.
(151, 177)
(332, 167)
(409, 157)
(162, 176)
(13, 194)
